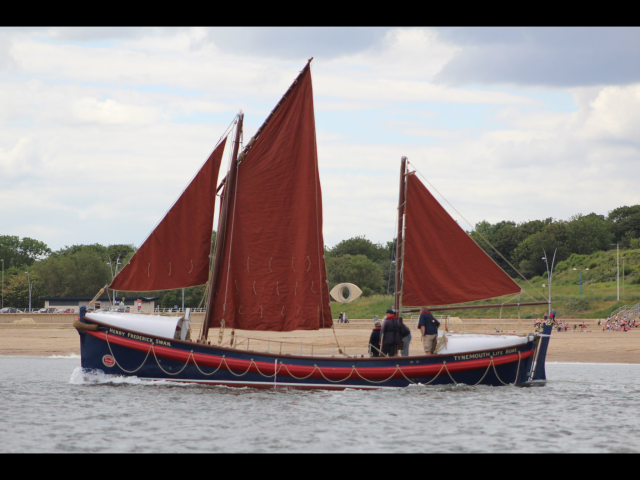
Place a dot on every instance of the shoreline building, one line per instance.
(132, 304)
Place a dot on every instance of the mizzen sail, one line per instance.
(176, 254)
(272, 271)
(442, 264)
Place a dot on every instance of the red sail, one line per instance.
(272, 273)
(176, 254)
(442, 264)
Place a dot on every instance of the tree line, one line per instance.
(81, 270)
(522, 244)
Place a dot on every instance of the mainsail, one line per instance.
(272, 273)
(176, 254)
(442, 264)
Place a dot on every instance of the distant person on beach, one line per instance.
(391, 334)
(406, 337)
(374, 339)
(428, 325)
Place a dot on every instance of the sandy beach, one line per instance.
(591, 346)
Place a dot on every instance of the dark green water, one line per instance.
(49, 405)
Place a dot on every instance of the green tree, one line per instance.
(528, 254)
(357, 269)
(122, 251)
(588, 234)
(18, 253)
(66, 251)
(624, 220)
(360, 245)
(81, 273)
(16, 291)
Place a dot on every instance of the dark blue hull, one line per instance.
(121, 352)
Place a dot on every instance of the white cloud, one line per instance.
(615, 114)
(109, 112)
(98, 139)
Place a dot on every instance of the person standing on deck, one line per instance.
(428, 325)
(391, 334)
(405, 333)
(374, 339)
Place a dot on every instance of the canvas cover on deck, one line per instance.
(176, 254)
(442, 264)
(272, 274)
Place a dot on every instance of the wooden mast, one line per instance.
(222, 229)
(399, 240)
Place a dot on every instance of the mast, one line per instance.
(399, 241)
(222, 229)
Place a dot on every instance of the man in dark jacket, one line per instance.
(374, 339)
(428, 325)
(405, 333)
(391, 334)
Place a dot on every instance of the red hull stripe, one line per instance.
(334, 373)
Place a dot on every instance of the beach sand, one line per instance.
(592, 346)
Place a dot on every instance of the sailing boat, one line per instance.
(267, 273)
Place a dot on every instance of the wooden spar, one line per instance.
(469, 307)
(222, 230)
(399, 249)
(246, 149)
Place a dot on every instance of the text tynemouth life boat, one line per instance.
(268, 273)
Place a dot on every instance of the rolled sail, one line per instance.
(176, 254)
(442, 264)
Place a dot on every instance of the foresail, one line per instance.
(272, 273)
(442, 264)
(176, 254)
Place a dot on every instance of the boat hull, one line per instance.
(125, 352)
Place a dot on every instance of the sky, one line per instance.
(102, 128)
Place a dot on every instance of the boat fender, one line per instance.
(85, 326)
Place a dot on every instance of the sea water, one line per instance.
(48, 404)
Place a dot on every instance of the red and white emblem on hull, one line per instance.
(108, 361)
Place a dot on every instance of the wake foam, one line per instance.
(71, 355)
(80, 376)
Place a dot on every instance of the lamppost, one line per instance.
(29, 280)
(2, 283)
(549, 273)
(581, 270)
(113, 275)
(617, 267)
(623, 276)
